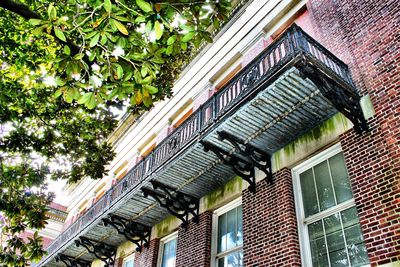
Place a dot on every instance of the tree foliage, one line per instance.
(64, 66)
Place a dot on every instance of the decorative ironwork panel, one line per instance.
(137, 233)
(72, 262)
(104, 252)
(177, 203)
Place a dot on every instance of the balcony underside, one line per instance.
(292, 87)
(282, 111)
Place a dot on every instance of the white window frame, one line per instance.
(164, 240)
(214, 241)
(305, 250)
(130, 257)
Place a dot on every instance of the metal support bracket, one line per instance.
(71, 261)
(137, 233)
(344, 98)
(177, 203)
(101, 251)
(245, 161)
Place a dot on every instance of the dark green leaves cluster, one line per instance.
(124, 46)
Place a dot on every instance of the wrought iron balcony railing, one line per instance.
(293, 47)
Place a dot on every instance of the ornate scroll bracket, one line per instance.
(71, 261)
(101, 251)
(345, 100)
(177, 203)
(245, 161)
(137, 233)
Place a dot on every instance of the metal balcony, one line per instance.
(294, 85)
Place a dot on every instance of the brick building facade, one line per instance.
(334, 196)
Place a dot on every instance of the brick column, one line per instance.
(269, 224)
(148, 256)
(376, 188)
(194, 243)
(118, 262)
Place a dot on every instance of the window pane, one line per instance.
(169, 254)
(239, 241)
(335, 241)
(231, 229)
(308, 192)
(340, 178)
(222, 233)
(355, 243)
(234, 259)
(317, 244)
(129, 263)
(324, 186)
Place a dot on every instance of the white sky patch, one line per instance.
(118, 51)
(49, 81)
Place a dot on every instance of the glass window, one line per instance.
(129, 261)
(168, 251)
(229, 238)
(328, 215)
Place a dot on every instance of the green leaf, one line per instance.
(151, 89)
(144, 71)
(94, 40)
(159, 29)
(52, 12)
(107, 5)
(169, 50)
(140, 19)
(71, 94)
(67, 50)
(184, 46)
(60, 35)
(171, 40)
(187, 37)
(149, 26)
(36, 22)
(119, 26)
(146, 7)
(85, 98)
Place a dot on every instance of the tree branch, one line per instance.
(25, 12)
(20, 9)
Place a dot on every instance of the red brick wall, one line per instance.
(269, 224)
(118, 262)
(148, 256)
(365, 34)
(194, 243)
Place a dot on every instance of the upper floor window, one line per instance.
(330, 231)
(129, 261)
(167, 256)
(228, 236)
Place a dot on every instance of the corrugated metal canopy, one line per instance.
(277, 115)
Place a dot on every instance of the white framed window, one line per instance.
(227, 243)
(167, 254)
(329, 229)
(129, 261)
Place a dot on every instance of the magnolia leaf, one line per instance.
(187, 37)
(119, 26)
(146, 7)
(85, 98)
(171, 40)
(151, 89)
(159, 29)
(67, 50)
(60, 35)
(94, 40)
(107, 5)
(35, 22)
(52, 12)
